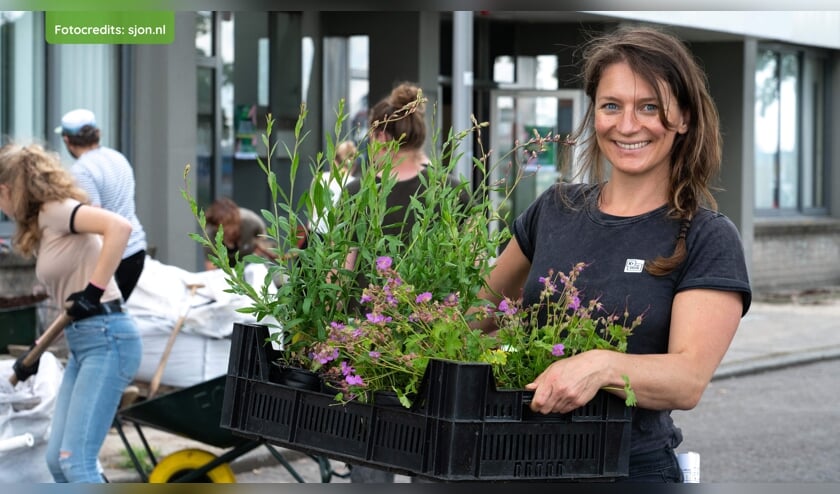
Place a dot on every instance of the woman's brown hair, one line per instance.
(660, 58)
(401, 117)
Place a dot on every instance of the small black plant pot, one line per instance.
(387, 398)
(295, 377)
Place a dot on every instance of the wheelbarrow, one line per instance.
(195, 413)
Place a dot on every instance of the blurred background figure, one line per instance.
(243, 230)
(343, 170)
(108, 179)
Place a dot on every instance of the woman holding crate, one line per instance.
(653, 243)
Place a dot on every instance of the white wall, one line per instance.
(814, 28)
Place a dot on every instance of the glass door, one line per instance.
(515, 117)
(215, 144)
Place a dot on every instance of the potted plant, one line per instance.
(423, 297)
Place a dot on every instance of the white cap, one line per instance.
(73, 121)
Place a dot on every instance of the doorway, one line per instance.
(515, 117)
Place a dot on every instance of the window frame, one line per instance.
(819, 144)
(10, 100)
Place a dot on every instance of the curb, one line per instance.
(775, 361)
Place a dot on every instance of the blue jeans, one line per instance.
(105, 353)
(655, 466)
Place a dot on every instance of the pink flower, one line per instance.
(353, 380)
(557, 350)
(507, 308)
(383, 263)
(375, 318)
(374, 354)
(325, 355)
(423, 297)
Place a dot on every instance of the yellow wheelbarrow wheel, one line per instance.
(181, 463)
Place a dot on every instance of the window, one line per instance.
(21, 82)
(789, 132)
(527, 72)
(215, 119)
(345, 75)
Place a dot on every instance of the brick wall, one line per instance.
(795, 254)
(17, 275)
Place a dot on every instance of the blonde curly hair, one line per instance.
(35, 177)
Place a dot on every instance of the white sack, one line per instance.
(28, 409)
(162, 292)
(192, 360)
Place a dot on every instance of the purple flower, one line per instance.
(557, 350)
(353, 380)
(375, 318)
(337, 326)
(383, 263)
(325, 355)
(365, 298)
(346, 369)
(423, 297)
(374, 354)
(507, 308)
(574, 304)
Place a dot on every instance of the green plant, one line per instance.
(389, 348)
(304, 287)
(403, 327)
(315, 286)
(532, 338)
(418, 293)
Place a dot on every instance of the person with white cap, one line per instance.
(108, 179)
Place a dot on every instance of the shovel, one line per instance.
(155, 383)
(44, 342)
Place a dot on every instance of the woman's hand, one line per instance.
(568, 384)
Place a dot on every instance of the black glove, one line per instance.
(24, 372)
(85, 303)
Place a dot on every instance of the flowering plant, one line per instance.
(422, 296)
(308, 288)
(558, 326)
(390, 348)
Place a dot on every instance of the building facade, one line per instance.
(201, 100)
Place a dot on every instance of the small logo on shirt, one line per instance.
(634, 265)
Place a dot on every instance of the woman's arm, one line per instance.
(703, 323)
(114, 230)
(506, 279)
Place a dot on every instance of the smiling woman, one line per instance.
(650, 238)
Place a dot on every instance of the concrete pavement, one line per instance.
(778, 331)
(773, 335)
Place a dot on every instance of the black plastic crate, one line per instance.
(461, 428)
